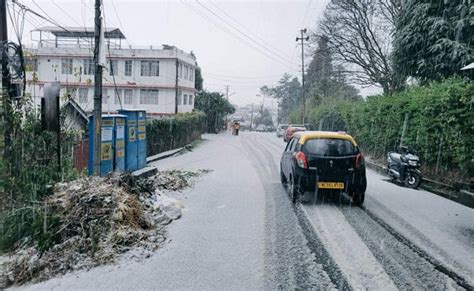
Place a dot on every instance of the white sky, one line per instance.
(225, 56)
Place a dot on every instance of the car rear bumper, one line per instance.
(353, 182)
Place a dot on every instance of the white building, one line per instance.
(135, 78)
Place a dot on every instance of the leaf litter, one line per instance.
(101, 219)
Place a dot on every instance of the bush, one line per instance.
(26, 175)
(439, 124)
(173, 132)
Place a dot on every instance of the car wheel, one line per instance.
(282, 177)
(358, 198)
(292, 188)
(413, 180)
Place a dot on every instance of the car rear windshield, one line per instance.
(330, 147)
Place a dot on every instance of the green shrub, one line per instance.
(439, 124)
(26, 175)
(173, 132)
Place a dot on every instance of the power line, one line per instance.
(110, 62)
(240, 31)
(66, 13)
(241, 77)
(231, 33)
(250, 31)
(118, 18)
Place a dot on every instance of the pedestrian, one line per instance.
(236, 128)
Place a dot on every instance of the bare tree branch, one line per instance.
(360, 33)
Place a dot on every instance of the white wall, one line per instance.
(50, 66)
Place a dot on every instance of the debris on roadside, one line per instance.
(93, 221)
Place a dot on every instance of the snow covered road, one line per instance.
(239, 230)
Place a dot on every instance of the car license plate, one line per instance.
(330, 185)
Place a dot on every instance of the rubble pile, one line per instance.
(100, 219)
(173, 180)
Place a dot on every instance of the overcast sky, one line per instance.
(243, 44)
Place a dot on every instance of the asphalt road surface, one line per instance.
(239, 230)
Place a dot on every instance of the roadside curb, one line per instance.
(145, 172)
(163, 155)
(463, 197)
(149, 171)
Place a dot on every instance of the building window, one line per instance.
(150, 68)
(83, 95)
(191, 99)
(181, 70)
(128, 67)
(113, 67)
(117, 96)
(180, 99)
(105, 96)
(185, 72)
(185, 99)
(89, 67)
(149, 96)
(66, 66)
(31, 65)
(128, 96)
(191, 75)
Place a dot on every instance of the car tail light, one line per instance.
(359, 161)
(301, 160)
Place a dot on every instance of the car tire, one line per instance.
(293, 191)
(358, 198)
(283, 179)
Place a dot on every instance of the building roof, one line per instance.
(77, 108)
(86, 32)
(306, 135)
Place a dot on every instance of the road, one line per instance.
(239, 230)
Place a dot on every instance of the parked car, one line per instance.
(261, 128)
(291, 130)
(271, 128)
(320, 160)
(281, 128)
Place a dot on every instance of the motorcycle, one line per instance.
(405, 167)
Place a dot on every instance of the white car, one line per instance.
(261, 128)
(281, 128)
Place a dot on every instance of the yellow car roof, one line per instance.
(306, 135)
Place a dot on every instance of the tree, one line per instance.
(359, 34)
(198, 79)
(323, 81)
(319, 72)
(433, 39)
(264, 117)
(288, 94)
(215, 106)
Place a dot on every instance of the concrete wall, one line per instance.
(50, 69)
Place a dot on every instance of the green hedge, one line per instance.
(173, 132)
(439, 124)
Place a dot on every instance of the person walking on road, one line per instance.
(236, 128)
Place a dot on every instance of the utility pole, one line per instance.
(302, 39)
(97, 114)
(176, 84)
(6, 82)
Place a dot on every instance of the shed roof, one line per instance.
(86, 32)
